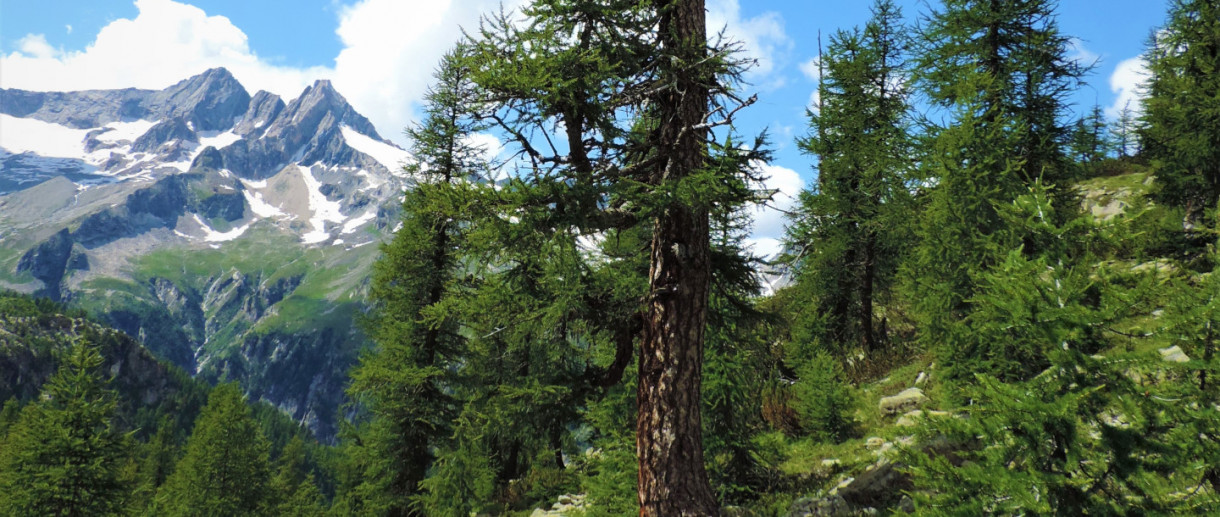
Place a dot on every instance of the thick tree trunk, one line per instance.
(669, 443)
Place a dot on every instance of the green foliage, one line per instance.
(1089, 142)
(462, 483)
(823, 399)
(225, 470)
(1081, 439)
(1182, 130)
(999, 73)
(62, 456)
(408, 381)
(851, 230)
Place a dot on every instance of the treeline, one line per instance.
(113, 431)
(581, 315)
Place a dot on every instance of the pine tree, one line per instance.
(225, 470)
(156, 461)
(62, 456)
(1127, 132)
(406, 381)
(999, 70)
(1182, 133)
(850, 228)
(1089, 142)
(293, 487)
(1052, 426)
(635, 91)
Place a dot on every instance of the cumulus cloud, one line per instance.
(1127, 83)
(390, 50)
(762, 37)
(770, 218)
(165, 43)
(392, 47)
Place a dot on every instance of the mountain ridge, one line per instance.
(229, 232)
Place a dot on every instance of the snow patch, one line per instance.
(259, 206)
(356, 222)
(388, 155)
(216, 139)
(27, 135)
(254, 183)
(126, 130)
(210, 235)
(324, 210)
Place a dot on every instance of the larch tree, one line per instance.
(226, 468)
(849, 231)
(407, 381)
(1181, 118)
(63, 454)
(996, 73)
(612, 106)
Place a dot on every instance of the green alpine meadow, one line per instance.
(988, 291)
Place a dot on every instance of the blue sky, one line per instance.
(380, 53)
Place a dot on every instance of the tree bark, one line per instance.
(669, 442)
(868, 336)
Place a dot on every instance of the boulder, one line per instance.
(910, 398)
(1174, 354)
(912, 418)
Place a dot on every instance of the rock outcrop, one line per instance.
(908, 399)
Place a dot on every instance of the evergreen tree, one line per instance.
(156, 462)
(406, 381)
(1127, 132)
(293, 486)
(999, 70)
(1089, 142)
(850, 229)
(1182, 133)
(634, 91)
(62, 456)
(225, 470)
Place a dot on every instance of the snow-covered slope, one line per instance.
(228, 231)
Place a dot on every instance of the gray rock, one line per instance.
(48, 261)
(1174, 354)
(910, 398)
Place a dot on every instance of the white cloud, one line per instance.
(165, 43)
(1081, 55)
(762, 36)
(812, 69)
(390, 50)
(68, 28)
(392, 47)
(36, 45)
(1127, 83)
(770, 218)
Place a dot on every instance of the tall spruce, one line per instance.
(996, 72)
(62, 456)
(226, 468)
(850, 228)
(406, 381)
(612, 106)
(1182, 131)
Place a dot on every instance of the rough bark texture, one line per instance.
(672, 479)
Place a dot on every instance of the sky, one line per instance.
(380, 54)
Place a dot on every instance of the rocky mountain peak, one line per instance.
(211, 101)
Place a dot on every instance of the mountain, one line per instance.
(231, 233)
